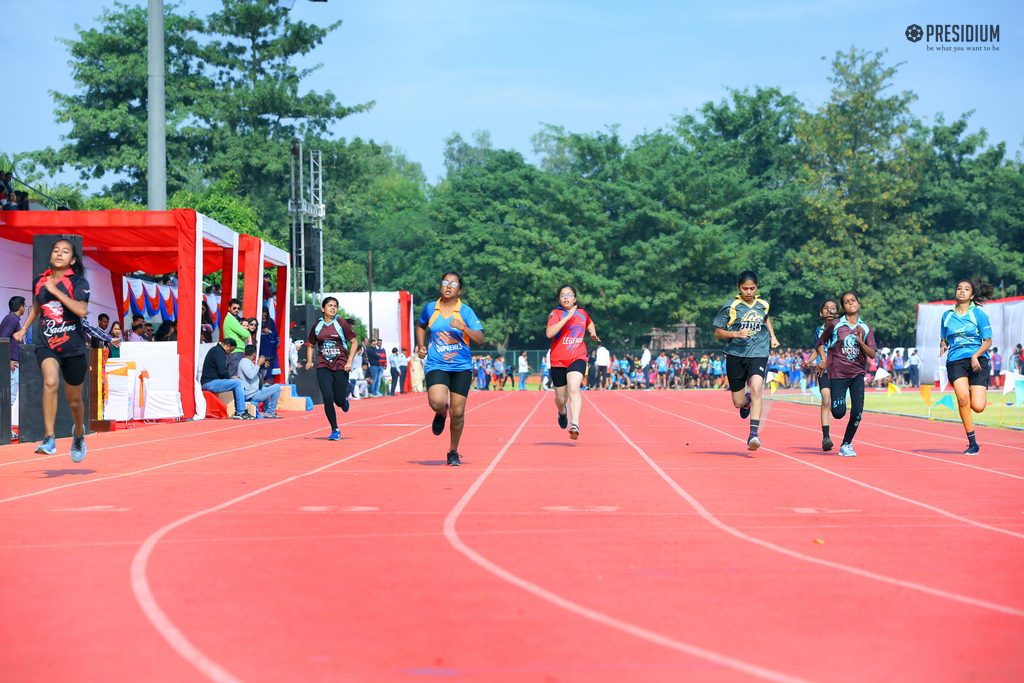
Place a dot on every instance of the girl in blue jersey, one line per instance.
(967, 336)
(449, 363)
(828, 312)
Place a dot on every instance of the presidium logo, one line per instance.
(956, 33)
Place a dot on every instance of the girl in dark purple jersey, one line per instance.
(333, 360)
(850, 342)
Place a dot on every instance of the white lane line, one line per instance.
(123, 445)
(147, 469)
(200, 435)
(151, 608)
(695, 504)
(570, 606)
(926, 506)
(180, 462)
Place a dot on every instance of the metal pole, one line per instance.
(369, 332)
(156, 170)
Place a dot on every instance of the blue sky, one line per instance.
(504, 66)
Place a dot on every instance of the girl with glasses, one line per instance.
(566, 326)
(828, 312)
(448, 362)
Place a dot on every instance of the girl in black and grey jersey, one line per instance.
(744, 322)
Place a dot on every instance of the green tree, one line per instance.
(108, 113)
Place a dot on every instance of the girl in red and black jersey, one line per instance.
(333, 360)
(566, 326)
(61, 303)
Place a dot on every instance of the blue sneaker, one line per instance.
(48, 446)
(344, 406)
(335, 435)
(78, 448)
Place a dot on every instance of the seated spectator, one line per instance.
(22, 201)
(138, 332)
(249, 374)
(359, 387)
(148, 334)
(163, 331)
(12, 202)
(115, 333)
(215, 377)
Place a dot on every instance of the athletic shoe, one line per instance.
(753, 443)
(453, 459)
(48, 446)
(563, 420)
(574, 432)
(846, 450)
(335, 435)
(243, 416)
(78, 448)
(745, 410)
(273, 416)
(438, 425)
(826, 444)
(972, 449)
(345, 406)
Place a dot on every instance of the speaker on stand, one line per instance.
(304, 319)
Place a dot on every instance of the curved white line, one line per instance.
(945, 513)
(792, 553)
(151, 608)
(644, 634)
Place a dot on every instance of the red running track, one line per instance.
(656, 548)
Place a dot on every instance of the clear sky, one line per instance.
(505, 66)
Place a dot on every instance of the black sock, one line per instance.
(970, 438)
(754, 424)
(824, 431)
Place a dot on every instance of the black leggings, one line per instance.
(856, 387)
(334, 389)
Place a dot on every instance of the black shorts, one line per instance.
(74, 368)
(740, 369)
(457, 382)
(824, 382)
(558, 375)
(962, 368)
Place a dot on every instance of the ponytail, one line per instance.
(981, 291)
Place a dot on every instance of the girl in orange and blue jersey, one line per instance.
(449, 364)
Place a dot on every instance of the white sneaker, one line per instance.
(846, 450)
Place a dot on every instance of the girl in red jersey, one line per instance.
(566, 325)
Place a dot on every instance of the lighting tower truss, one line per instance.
(306, 207)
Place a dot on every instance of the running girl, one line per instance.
(566, 325)
(449, 363)
(967, 335)
(850, 343)
(62, 302)
(745, 324)
(333, 361)
(828, 312)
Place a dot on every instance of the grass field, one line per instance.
(910, 402)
